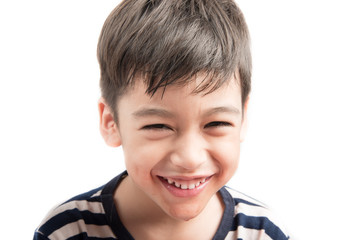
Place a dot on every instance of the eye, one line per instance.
(218, 124)
(157, 126)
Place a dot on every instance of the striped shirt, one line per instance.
(93, 215)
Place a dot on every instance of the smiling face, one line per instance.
(180, 148)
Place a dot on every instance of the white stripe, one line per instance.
(94, 207)
(236, 194)
(255, 211)
(246, 233)
(98, 193)
(250, 210)
(78, 227)
(258, 212)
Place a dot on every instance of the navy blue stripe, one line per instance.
(239, 200)
(259, 223)
(71, 216)
(84, 235)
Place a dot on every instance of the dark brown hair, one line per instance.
(170, 41)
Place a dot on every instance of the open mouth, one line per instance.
(185, 185)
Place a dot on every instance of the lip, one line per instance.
(185, 193)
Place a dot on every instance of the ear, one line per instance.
(108, 126)
(244, 123)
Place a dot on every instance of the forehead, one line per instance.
(175, 96)
(201, 83)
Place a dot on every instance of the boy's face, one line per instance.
(180, 148)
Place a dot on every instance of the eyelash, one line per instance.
(156, 126)
(160, 126)
(218, 124)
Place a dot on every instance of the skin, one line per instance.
(181, 136)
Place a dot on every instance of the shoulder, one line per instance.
(241, 197)
(252, 219)
(78, 217)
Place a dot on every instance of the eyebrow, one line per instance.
(223, 109)
(147, 112)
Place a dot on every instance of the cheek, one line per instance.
(226, 153)
(141, 157)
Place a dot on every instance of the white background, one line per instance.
(302, 149)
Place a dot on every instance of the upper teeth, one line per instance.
(184, 185)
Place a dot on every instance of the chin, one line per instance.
(184, 213)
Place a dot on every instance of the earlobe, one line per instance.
(244, 124)
(108, 126)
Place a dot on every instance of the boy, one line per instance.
(175, 79)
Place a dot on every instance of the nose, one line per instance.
(189, 151)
